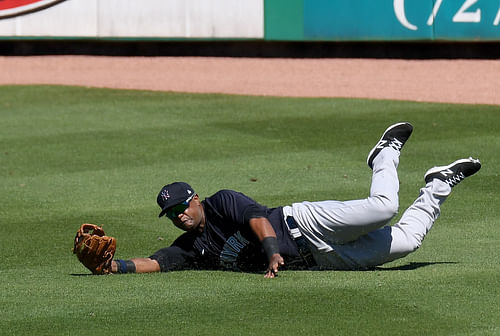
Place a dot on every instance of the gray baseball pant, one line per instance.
(355, 234)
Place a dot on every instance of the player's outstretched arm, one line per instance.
(265, 232)
(136, 265)
(96, 251)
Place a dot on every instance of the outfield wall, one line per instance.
(168, 19)
(383, 20)
(264, 20)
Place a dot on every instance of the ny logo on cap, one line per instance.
(164, 195)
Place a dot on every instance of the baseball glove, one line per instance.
(94, 249)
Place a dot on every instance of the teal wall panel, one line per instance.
(476, 20)
(284, 19)
(382, 20)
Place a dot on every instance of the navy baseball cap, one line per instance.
(173, 194)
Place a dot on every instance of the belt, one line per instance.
(300, 240)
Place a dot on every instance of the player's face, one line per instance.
(191, 218)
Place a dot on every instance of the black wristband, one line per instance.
(270, 245)
(125, 266)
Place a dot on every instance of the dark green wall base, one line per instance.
(408, 50)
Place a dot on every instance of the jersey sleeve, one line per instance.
(178, 256)
(236, 206)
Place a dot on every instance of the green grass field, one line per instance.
(72, 155)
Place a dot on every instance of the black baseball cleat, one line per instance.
(395, 137)
(455, 172)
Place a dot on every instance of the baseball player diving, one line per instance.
(231, 231)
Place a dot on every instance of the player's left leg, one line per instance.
(408, 234)
(393, 242)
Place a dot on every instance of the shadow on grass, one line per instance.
(412, 266)
(82, 274)
(408, 267)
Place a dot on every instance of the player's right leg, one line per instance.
(395, 136)
(340, 222)
(393, 242)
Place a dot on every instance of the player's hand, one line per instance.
(275, 262)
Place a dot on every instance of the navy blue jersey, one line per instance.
(227, 241)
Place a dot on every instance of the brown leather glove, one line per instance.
(94, 249)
